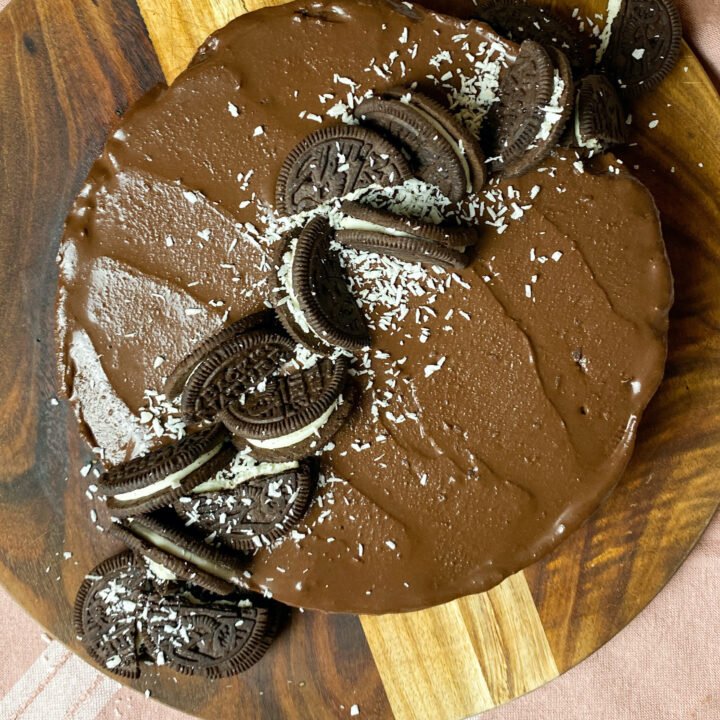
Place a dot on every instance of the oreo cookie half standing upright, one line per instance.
(332, 162)
(526, 89)
(311, 295)
(155, 479)
(555, 117)
(178, 378)
(250, 504)
(107, 607)
(366, 228)
(444, 153)
(520, 20)
(174, 553)
(294, 415)
(599, 118)
(643, 45)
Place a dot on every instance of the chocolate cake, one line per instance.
(499, 403)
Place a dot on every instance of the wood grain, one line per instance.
(463, 657)
(67, 69)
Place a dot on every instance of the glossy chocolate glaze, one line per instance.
(553, 339)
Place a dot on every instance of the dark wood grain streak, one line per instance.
(67, 70)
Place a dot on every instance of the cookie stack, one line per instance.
(190, 511)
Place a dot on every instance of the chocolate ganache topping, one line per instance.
(499, 403)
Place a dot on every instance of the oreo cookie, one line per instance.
(108, 607)
(176, 381)
(526, 89)
(232, 368)
(519, 20)
(334, 161)
(124, 623)
(366, 228)
(208, 636)
(176, 554)
(250, 504)
(599, 118)
(644, 44)
(155, 479)
(311, 295)
(443, 152)
(555, 117)
(294, 415)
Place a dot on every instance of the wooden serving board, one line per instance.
(68, 68)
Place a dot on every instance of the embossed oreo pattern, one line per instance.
(332, 162)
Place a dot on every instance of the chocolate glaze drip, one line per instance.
(555, 343)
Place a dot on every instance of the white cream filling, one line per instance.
(158, 570)
(242, 474)
(591, 143)
(285, 276)
(613, 8)
(182, 554)
(454, 144)
(299, 435)
(350, 223)
(172, 481)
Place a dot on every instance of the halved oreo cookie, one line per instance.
(250, 504)
(366, 228)
(107, 607)
(311, 295)
(175, 553)
(556, 115)
(526, 89)
(334, 161)
(599, 118)
(232, 368)
(265, 319)
(644, 44)
(519, 20)
(443, 152)
(122, 622)
(294, 415)
(155, 479)
(211, 637)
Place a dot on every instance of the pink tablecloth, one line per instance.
(664, 666)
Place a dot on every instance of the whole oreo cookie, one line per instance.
(519, 20)
(525, 90)
(107, 607)
(334, 161)
(258, 506)
(231, 369)
(381, 231)
(264, 319)
(444, 153)
(155, 479)
(599, 122)
(173, 553)
(644, 44)
(556, 115)
(211, 637)
(294, 415)
(311, 294)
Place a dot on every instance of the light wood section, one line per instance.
(178, 27)
(464, 657)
